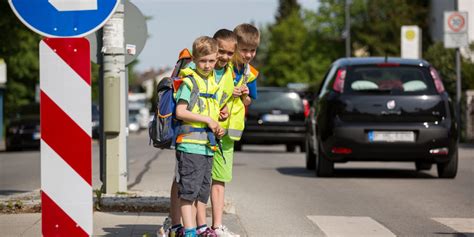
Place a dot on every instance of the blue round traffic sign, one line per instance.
(64, 18)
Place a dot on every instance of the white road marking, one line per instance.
(461, 225)
(350, 226)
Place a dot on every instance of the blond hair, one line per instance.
(203, 46)
(247, 35)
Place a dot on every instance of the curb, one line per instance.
(132, 201)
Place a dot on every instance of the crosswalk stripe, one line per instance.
(350, 226)
(461, 225)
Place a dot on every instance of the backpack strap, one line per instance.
(194, 93)
(213, 141)
(207, 95)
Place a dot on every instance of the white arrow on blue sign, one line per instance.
(64, 18)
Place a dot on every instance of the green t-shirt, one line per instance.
(219, 74)
(184, 93)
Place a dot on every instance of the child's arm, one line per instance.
(224, 113)
(183, 114)
(245, 95)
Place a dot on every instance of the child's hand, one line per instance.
(237, 92)
(244, 89)
(224, 113)
(220, 132)
(213, 125)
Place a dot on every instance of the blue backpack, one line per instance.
(163, 127)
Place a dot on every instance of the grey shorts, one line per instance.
(194, 176)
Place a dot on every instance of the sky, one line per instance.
(174, 24)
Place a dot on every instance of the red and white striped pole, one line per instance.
(66, 155)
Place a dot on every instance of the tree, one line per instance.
(286, 8)
(444, 61)
(19, 48)
(378, 28)
(284, 62)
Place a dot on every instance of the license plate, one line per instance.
(36, 136)
(391, 136)
(276, 118)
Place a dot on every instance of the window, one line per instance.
(278, 100)
(390, 80)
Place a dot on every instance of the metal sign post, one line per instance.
(135, 36)
(455, 36)
(3, 81)
(66, 167)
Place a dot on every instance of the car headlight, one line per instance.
(13, 130)
(95, 123)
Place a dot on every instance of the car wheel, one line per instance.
(303, 147)
(310, 157)
(237, 146)
(290, 148)
(324, 167)
(8, 146)
(448, 170)
(422, 165)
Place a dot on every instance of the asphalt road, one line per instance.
(274, 195)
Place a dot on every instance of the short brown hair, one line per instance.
(247, 35)
(225, 34)
(203, 46)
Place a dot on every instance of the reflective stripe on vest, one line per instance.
(234, 133)
(206, 105)
(236, 121)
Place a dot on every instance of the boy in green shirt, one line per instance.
(196, 141)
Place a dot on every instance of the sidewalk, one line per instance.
(150, 174)
(119, 224)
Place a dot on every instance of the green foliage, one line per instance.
(286, 8)
(378, 27)
(444, 61)
(95, 82)
(283, 62)
(19, 49)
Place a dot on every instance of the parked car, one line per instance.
(133, 123)
(276, 117)
(23, 130)
(382, 109)
(138, 105)
(95, 121)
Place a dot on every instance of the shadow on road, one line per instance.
(11, 192)
(132, 230)
(456, 234)
(30, 149)
(260, 150)
(360, 173)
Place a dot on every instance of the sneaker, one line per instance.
(165, 228)
(222, 231)
(207, 233)
(176, 233)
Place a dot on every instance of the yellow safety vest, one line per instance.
(226, 85)
(236, 121)
(206, 105)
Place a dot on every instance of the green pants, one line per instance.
(222, 170)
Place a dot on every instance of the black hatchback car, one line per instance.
(382, 109)
(276, 117)
(23, 131)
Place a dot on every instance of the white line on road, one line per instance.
(461, 225)
(350, 226)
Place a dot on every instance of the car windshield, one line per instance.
(388, 80)
(28, 111)
(277, 100)
(95, 112)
